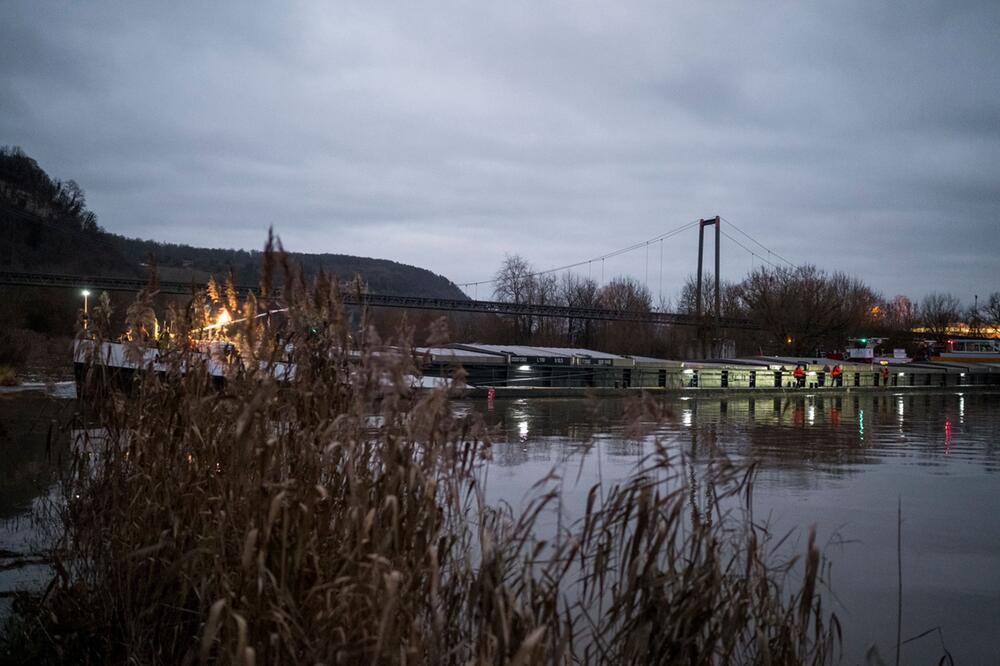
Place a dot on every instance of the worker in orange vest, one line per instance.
(838, 375)
(800, 376)
(885, 375)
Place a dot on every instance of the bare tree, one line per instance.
(991, 311)
(73, 198)
(515, 283)
(975, 319)
(804, 309)
(732, 304)
(625, 294)
(899, 314)
(938, 311)
(546, 292)
(579, 292)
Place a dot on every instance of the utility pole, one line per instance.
(715, 349)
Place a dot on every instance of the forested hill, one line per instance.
(381, 275)
(45, 226)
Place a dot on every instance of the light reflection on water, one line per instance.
(840, 463)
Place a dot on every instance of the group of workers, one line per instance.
(836, 375)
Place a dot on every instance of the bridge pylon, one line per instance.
(713, 345)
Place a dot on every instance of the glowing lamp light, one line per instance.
(86, 309)
(223, 318)
(524, 367)
(689, 371)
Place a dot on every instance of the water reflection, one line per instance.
(32, 439)
(33, 447)
(785, 432)
(838, 462)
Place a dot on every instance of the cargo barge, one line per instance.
(518, 370)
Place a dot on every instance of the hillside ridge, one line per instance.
(47, 227)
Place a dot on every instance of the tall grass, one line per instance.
(339, 518)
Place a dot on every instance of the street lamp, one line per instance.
(86, 295)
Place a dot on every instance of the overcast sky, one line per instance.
(859, 136)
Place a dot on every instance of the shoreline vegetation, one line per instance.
(337, 519)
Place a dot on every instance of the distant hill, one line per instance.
(45, 226)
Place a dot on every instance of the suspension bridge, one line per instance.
(475, 305)
(352, 297)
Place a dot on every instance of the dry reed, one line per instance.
(337, 517)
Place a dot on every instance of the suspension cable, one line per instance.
(752, 253)
(609, 255)
(754, 240)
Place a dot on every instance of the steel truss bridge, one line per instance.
(351, 297)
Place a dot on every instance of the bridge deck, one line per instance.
(107, 283)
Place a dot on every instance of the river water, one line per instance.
(33, 447)
(842, 464)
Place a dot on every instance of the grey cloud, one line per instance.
(856, 136)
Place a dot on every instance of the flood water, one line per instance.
(839, 463)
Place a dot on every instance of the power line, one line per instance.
(609, 255)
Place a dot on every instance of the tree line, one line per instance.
(800, 311)
(518, 282)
